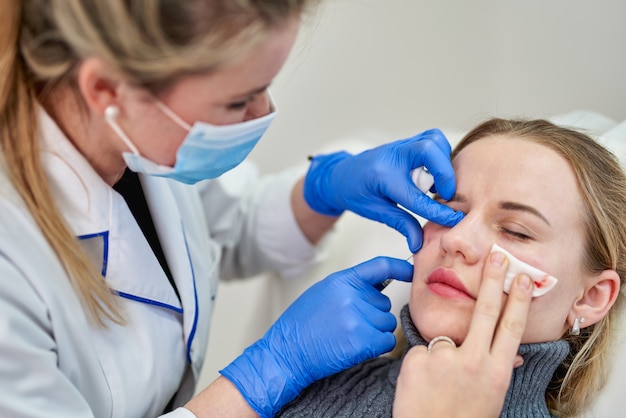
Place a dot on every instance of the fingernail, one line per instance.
(524, 281)
(497, 258)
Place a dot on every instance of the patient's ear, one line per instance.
(600, 294)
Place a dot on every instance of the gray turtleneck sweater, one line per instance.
(368, 389)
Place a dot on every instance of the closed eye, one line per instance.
(515, 234)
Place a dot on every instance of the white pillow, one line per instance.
(592, 123)
(615, 140)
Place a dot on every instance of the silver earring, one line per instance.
(576, 327)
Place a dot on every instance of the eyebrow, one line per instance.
(523, 208)
(507, 206)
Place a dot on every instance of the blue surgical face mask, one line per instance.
(207, 152)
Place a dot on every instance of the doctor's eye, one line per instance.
(241, 104)
(238, 105)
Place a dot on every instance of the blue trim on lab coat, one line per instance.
(105, 260)
(105, 249)
(149, 301)
(195, 296)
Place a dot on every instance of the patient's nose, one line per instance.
(464, 240)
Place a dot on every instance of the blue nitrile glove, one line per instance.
(337, 323)
(374, 182)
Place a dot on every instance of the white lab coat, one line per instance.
(54, 362)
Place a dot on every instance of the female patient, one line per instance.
(553, 198)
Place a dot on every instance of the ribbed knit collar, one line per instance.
(526, 394)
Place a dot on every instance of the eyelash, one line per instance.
(515, 234)
(238, 105)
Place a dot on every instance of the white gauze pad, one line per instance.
(543, 281)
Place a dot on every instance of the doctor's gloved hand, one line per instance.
(373, 183)
(337, 323)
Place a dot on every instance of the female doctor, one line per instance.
(112, 113)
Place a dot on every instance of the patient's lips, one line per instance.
(446, 283)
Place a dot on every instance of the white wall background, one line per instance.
(380, 70)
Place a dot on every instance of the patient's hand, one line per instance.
(471, 380)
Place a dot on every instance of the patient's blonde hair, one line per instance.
(602, 187)
(153, 42)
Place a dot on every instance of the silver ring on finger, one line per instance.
(438, 339)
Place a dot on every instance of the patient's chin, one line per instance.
(452, 329)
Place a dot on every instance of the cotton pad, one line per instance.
(543, 281)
